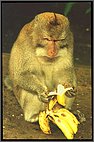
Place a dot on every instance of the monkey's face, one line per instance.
(49, 50)
(53, 37)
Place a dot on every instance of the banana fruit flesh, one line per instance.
(61, 117)
(61, 90)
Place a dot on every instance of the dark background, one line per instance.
(16, 15)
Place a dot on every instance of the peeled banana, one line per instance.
(63, 118)
(61, 94)
(61, 98)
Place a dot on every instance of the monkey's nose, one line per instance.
(52, 52)
(52, 49)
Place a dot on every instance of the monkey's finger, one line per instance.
(43, 99)
(70, 93)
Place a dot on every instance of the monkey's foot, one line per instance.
(80, 116)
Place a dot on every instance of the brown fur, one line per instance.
(41, 58)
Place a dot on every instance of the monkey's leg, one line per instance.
(69, 102)
(30, 104)
(70, 97)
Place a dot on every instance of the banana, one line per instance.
(63, 126)
(60, 89)
(63, 118)
(71, 115)
(69, 118)
(61, 99)
(71, 123)
(52, 103)
(61, 94)
(44, 123)
(68, 114)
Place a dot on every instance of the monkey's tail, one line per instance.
(8, 83)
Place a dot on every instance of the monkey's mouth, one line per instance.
(48, 59)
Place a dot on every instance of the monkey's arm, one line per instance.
(23, 77)
(28, 81)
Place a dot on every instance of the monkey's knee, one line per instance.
(31, 106)
(31, 113)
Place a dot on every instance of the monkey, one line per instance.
(40, 59)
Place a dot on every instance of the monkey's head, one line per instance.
(52, 36)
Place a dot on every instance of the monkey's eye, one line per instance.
(39, 45)
(63, 46)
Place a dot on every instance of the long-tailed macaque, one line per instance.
(41, 58)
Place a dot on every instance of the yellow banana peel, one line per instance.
(61, 117)
(52, 103)
(69, 117)
(44, 123)
(63, 125)
(61, 99)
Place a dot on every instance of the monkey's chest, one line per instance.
(53, 77)
(48, 78)
(49, 82)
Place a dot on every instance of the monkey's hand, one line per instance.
(43, 97)
(43, 94)
(70, 93)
